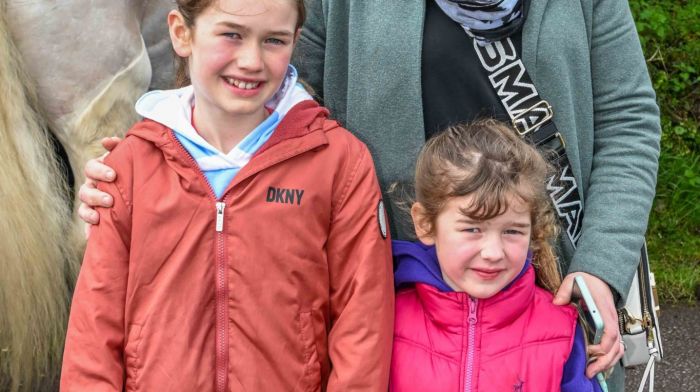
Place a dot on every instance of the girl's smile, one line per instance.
(487, 273)
(244, 87)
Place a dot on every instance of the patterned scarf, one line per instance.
(486, 20)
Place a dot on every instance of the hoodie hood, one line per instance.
(173, 109)
(418, 263)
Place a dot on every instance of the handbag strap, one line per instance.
(532, 117)
(649, 305)
(648, 373)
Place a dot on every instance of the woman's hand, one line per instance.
(610, 349)
(90, 197)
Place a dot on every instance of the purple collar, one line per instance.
(417, 263)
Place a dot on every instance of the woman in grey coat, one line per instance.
(395, 72)
(379, 65)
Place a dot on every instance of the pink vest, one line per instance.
(515, 341)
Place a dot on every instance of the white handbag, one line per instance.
(639, 323)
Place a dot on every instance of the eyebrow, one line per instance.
(472, 221)
(467, 220)
(232, 25)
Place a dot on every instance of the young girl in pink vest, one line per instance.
(474, 307)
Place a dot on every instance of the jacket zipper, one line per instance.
(221, 279)
(470, 349)
(221, 295)
(221, 301)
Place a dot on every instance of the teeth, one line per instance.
(241, 84)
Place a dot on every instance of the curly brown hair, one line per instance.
(488, 161)
(190, 10)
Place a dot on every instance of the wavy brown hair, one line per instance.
(190, 10)
(488, 161)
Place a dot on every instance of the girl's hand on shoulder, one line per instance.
(90, 197)
(610, 349)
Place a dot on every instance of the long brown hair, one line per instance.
(190, 10)
(488, 161)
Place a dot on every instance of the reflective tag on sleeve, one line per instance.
(381, 218)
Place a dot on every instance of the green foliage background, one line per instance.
(669, 31)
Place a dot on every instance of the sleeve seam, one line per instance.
(347, 186)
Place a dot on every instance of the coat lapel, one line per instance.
(392, 41)
(531, 34)
(386, 73)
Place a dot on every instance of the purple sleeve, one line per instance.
(574, 378)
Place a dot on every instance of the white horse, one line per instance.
(76, 68)
(90, 62)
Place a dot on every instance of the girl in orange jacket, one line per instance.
(247, 246)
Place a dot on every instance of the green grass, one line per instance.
(674, 228)
(671, 42)
(677, 270)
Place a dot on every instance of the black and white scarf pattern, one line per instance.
(486, 20)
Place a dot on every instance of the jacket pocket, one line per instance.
(131, 357)
(311, 378)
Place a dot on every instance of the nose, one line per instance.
(250, 57)
(492, 248)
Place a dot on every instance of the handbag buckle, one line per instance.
(555, 143)
(630, 324)
(522, 127)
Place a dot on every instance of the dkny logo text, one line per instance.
(284, 195)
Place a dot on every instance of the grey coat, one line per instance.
(363, 58)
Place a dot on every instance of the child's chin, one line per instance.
(482, 295)
(483, 292)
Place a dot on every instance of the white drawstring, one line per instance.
(649, 371)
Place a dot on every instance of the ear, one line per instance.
(180, 34)
(297, 34)
(422, 224)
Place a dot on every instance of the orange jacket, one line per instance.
(284, 284)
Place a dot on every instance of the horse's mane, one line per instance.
(38, 248)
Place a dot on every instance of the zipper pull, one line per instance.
(220, 216)
(472, 310)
